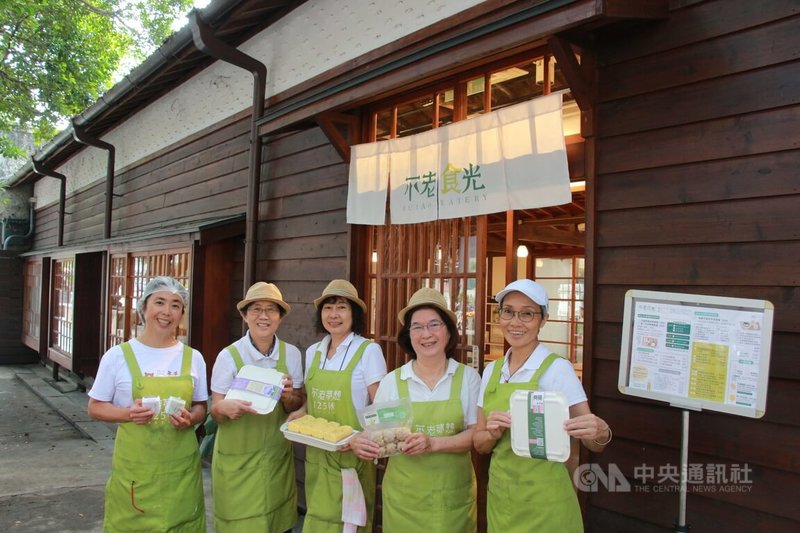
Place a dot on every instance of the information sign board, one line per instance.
(697, 352)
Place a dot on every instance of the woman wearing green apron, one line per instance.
(525, 494)
(253, 481)
(430, 486)
(156, 482)
(342, 374)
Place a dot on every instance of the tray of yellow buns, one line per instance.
(318, 432)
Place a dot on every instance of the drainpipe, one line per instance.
(80, 135)
(39, 168)
(206, 42)
(7, 240)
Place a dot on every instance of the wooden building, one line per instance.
(681, 119)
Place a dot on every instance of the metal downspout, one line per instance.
(7, 240)
(206, 42)
(80, 135)
(62, 196)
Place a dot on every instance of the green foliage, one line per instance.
(59, 56)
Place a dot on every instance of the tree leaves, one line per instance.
(58, 56)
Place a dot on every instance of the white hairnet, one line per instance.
(157, 284)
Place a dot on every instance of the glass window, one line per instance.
(31, 302)
(128, 277)
(563, 279)
(63, 300)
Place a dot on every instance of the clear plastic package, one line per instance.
(153, 403)
(387, 424)
(174, 405)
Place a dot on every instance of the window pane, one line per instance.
(415, 117)
(32, 297)
(63, 300)
(514, 85)
(475, 96)
(383, 125)
(117, 302)
(146, 267)
(446, 103)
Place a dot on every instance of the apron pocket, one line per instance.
(154, 499)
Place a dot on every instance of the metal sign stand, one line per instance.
(680, 526)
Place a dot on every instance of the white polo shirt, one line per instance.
(370, 369)
(418, 391)
(559, 377)
(224, 371)
(113, 382)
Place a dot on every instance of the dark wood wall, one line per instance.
(303, 234)
(204, 177)
(697, 191)
(12, 350)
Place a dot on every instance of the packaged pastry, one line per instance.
(319, 428)
(153, 403)
(174, 405)
(387, 424)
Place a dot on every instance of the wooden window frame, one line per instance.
(57, 338)
(31, 304)
(157, 263)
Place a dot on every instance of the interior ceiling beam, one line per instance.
(496, 246)
(531, 235)
(555, 221)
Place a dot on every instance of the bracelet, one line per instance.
(610, 436)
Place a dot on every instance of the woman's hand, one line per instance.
(288, 389)
(497, 423)
(139, 414)
(592, 430)
(300, 413)
(362, 447)
(234, 409)
(588, 426)
(181, 420)
(417, 444)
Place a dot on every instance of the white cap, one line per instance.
(529, 288)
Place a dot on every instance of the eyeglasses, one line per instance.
(524, 316)
(433, 326)
(258, 311)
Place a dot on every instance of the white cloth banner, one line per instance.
(512, 158)
(368, 183)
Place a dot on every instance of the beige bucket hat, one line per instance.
(264, 291)
(426, 296)
(343, 288)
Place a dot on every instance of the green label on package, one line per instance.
(390, 414)
(536, 438)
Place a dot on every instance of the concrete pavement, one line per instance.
(54, 460)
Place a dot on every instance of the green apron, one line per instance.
(156, 482)
(330, 397)
(253, 482)
(526, 494)
(434, 492)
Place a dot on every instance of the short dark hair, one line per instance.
(359, 320)
(404, 337)
(281, 310)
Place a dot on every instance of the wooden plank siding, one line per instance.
(697, 191)
(204, 177)
(303, 234)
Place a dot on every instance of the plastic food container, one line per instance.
(261, 386)
(537, 425)
(308, 440)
